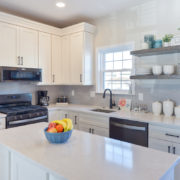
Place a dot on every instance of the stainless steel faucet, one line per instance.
(104, 95)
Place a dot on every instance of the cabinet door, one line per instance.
(28, 43)
(75, 119)
(22, 169)
(4, 163)
(54, 115)
(57, 65)
(45, 57)
(76, 58)
(65, 60)
(161, 145)
(85, 127)
(8, 45)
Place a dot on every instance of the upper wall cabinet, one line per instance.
(45, 57)
(57, 65)
(28, 43)
(8, 45)
(81, 58)
(65, 44)
(77, 58)
(19, 46)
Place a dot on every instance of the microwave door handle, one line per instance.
(131, 127)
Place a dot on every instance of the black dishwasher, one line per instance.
(129, 131)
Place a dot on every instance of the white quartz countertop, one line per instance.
(88, 157)
(136, 116)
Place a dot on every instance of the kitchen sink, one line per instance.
(103, 110)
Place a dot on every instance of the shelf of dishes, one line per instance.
(157, 72)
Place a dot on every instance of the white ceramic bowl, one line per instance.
(157, 69)
(168, 69)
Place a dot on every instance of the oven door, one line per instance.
(22, 122)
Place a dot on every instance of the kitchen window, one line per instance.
(114, 68)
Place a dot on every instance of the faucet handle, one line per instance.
(113, 103)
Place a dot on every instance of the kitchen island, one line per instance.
(25, 154)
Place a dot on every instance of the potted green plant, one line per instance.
(167, 39)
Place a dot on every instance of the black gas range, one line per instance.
(20, 111)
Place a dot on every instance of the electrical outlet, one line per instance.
(72, 93)
(141, 96)
(92, 94)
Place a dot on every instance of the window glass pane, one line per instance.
(117, 64)
(118, 56)
(127, 64)
(109, 57)
(116, 85)
(127, 55)
(125, 77)
(116, 76)
(107, 85)
(107, 76)
(109, 66)
(125, 86)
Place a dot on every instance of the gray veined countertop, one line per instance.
(89, 157)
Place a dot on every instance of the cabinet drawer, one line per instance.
(163, 133)
(94, 120)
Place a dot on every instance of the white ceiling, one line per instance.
(76, 10)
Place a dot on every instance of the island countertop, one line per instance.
(88, 157)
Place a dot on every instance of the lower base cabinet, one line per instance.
(4, 163)
(94, 129)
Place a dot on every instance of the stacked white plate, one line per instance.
(143, 70)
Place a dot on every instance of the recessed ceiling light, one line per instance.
(60, 4)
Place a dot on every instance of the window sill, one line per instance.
(117, 93)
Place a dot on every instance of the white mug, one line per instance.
(157, 70)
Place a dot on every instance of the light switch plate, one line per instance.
(141, 96)
(72, 93)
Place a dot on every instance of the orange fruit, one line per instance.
(59, 128)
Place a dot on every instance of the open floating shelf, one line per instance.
(155, 77)
(156, 51)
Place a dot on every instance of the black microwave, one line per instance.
(20, 74)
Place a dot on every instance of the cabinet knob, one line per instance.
(174, 150)
(53, 78)
(80, 77)
(89, 130)
(75, 121)
(169, 149)
(19, 63)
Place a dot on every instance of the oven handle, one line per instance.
(27, 120)
(137, 128)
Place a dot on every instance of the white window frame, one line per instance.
(99, 64)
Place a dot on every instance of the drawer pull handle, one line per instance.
(174, 150)
(171, 135)
(169, 149)
(89, 130)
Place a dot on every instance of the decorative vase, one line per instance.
(166, 44)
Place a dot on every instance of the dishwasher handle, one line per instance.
(132, 127)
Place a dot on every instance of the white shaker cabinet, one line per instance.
(22, 169)
(65, 43)
(28, 48)
(45, 57)
(8, 45)
(57, 65)
(4, 163)
(81, 58)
